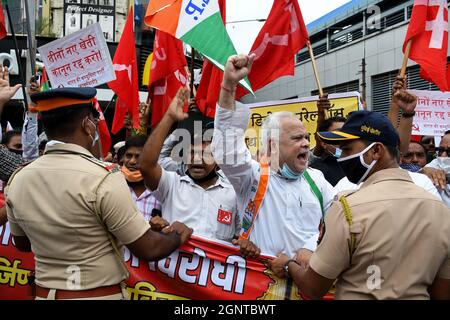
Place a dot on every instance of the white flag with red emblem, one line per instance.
(428, 32)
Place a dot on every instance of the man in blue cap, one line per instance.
(75, 212)
(390, 239)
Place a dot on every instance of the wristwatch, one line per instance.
(408, 114)
(286, 267)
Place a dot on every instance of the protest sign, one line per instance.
(80, 59)
(432, 113)
(304, 108)
(201, 270)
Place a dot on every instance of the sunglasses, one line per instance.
(440, 151)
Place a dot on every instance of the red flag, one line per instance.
(163, 91)
(2, 22)
(428, 30)
(168, 56)
(209, 87)
(167, 73)
(103, 131)
(282, 36)
(126, 85)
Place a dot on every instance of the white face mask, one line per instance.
(95, 138)
(444, 164)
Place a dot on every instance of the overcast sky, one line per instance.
(243, 34)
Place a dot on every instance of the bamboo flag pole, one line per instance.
(405, 59)
(316, 73)
(394, 109)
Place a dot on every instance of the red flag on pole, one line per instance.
(428, 31)
(282, 36)
(103, 131)
(2, 22)
(209, 87)
(167, 73)
(164, 90)
(168, 56)
(126, 85)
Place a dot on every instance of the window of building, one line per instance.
(343, 87)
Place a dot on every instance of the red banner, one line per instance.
(200, 270)
(15, 268)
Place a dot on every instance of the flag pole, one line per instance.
(316, 73)
(191, 85)
(16, 49)
(394, 109)
(30, 38)
(405, 59)
(314, 65)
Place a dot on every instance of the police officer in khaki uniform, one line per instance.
(75, 212)
(390, 239)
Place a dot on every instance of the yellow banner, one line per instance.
(304, 108)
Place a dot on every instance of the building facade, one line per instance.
(358, 47)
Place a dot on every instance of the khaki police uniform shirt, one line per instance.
(51, 201)
(403, 240)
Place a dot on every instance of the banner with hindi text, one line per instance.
(200, 270)
(304, 108)
(432, 113)
(206, 270)
(15, 269)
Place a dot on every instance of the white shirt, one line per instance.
(419, 179)
(290, 213)
(184, 201)
(442, 163)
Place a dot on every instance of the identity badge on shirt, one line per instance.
(224, 216)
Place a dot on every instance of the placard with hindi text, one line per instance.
(432, 113)
(80, 59)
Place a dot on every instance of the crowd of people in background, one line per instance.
(291, 201)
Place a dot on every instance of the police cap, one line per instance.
(63, 97)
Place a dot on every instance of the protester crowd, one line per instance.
(365, 195)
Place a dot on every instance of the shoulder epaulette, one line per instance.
(108, 166)
(344, 193)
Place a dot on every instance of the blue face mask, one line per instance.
(287, 173)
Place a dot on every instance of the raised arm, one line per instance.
(151, 170)
(30, 139)
(399, 83)
(165, 158)
(323, 105)
(236, 69)
(6, 92)
(228, 144)
(405, 102)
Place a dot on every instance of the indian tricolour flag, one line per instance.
(197, 23)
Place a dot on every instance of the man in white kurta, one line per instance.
(290, 214)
